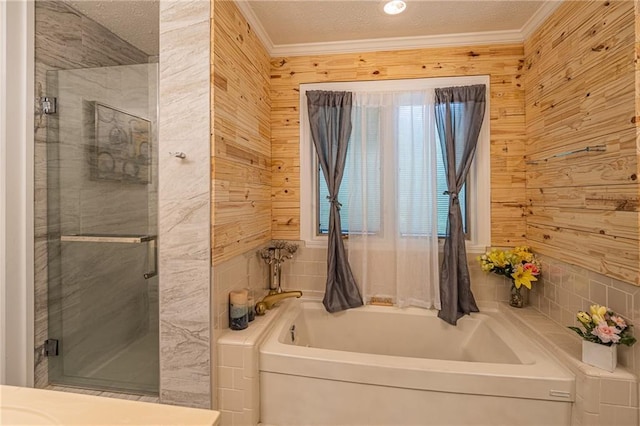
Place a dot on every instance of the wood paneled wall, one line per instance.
(504, 64)
(241, 136)
(580, 91)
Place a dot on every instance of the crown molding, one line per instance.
(397, 43)
(255, 25)
(539, 17)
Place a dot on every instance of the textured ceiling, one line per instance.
(316, 21)
(287, 22)
(135, 21)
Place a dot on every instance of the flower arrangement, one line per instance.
(519, 264)
(603, 326)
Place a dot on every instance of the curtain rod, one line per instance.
(595, 148)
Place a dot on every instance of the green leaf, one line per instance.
(577, 330)
(627, 340)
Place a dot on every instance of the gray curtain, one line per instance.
(459, 114)
(330, 122)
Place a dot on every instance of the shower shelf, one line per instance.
(107, 238)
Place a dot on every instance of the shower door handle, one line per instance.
(152, 258)
(151, 240)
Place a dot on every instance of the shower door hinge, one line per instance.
(48, 105)
(51, 347)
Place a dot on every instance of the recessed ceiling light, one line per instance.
(394, 7)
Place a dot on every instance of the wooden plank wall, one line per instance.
(580, 91)
(503, 63)
(241, 135)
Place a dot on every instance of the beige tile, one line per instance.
(591, 419)
(569, 317)
(617, 301)
(231, 400)
(225, 377)
(241, 419)
(616, 392)
(597, 292)
(226, 418)
(238, 379)
(250, 361)
(550, 291)
(555, 312)
(619, 416)
(250, 399)
(230, 355)
(591, 394)
(580, 286)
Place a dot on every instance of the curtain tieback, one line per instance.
(453, 195)
(334, 201)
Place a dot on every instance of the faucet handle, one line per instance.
(261, 308)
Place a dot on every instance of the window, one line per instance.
(474, 198)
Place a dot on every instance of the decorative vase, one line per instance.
(517, 299)
(601, 356)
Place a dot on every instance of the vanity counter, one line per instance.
(45, 407)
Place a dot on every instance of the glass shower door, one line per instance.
(102, 227)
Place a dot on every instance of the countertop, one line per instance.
(28, 406)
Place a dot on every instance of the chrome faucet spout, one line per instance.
(268, 301)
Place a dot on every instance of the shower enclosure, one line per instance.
(102, 227)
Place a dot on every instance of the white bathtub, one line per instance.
(379, 365)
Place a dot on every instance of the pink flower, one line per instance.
(619, 321)
(532, 267)
(606, 333)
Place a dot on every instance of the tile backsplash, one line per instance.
(246, 270)
(565, 289)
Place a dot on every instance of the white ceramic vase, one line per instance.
(601, 356)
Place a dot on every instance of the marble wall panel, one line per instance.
(184, 204)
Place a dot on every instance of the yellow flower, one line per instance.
(597, 313)
(523, 254)
(498, 258)
(584, 317)
(523, 277)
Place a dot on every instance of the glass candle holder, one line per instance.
(251, 305)
(238, 310)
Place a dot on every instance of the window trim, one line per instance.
(479, 181)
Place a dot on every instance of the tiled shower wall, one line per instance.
(64, 39)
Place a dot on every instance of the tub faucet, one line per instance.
(268, 301)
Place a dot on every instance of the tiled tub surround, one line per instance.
(238, 369)
(601, 397)
(330, 367)
(564, 289)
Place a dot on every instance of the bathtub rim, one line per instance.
(546, 378)
(487, 318)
